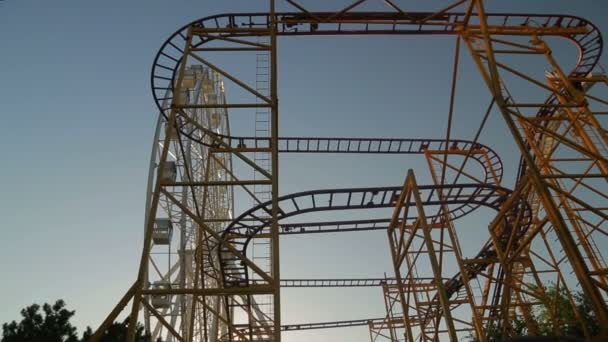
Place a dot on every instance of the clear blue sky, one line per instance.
(77, 127)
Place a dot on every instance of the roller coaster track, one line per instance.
(169, 56)
(343, 282)
(333, 226)
(487, 158)
(325, 325)
(252, 222)
(357, 282)
(334, 324)
(240, 232)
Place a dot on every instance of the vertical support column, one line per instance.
(141, 277)
(113, 314)
(410, 191)
(199, 277)
(160, 124)
(579, 117)
(182, 259)
(388, 304)
(428, 239)
(447, 224)
(274, 151)
(492, 78)
(400, 292)
(397, 259)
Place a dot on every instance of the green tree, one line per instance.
(566, 315)
(50, 325)
(494, 333)
(587, 314)
(117, 332)
(558, 306)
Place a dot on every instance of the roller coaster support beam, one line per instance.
(141, 277)
(398, 235)
(486, 61)
(113, 314)
(274, 155)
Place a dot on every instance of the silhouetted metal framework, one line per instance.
(544, 228)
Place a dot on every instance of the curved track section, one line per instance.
(245, 227)
(485, 156)
(489, 161)
(169, 56)
(482, 154)
(239, 234)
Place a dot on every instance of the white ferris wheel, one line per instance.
(181, 257)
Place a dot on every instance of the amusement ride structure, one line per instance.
(210, 273)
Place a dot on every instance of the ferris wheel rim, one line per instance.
(204, 117)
